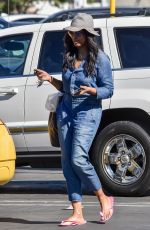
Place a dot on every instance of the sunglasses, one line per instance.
(75, 34)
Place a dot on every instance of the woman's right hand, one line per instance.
(42, 75)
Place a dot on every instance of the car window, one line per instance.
(31, 20)
(2, 25)
(13, 52)
(51, 55)
(133, 47)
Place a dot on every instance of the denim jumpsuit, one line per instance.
(78, 118)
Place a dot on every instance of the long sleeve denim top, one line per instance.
(102, 81)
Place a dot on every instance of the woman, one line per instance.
(86, 80)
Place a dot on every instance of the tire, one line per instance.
(121, 156)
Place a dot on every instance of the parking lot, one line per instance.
(37, 199)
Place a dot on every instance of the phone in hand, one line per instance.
(76, 91)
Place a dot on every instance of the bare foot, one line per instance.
(106, 208)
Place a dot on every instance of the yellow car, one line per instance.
(7, 155)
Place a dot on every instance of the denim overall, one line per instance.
(78, 118)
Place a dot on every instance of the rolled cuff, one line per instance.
(103, 92)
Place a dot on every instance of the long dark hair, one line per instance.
(71, 53)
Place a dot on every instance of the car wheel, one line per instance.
(122, 159)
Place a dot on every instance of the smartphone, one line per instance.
(76, 91)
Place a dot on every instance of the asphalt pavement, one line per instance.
(45, 211)
(27, 179)
(37, 199)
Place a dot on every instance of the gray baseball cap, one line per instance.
(82, 21)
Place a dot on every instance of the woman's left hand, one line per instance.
(86, 89)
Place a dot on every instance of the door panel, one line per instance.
(130, 49)
(13, 53)
(12, 108)
(36, 115)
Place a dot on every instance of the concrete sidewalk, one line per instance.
(28, 180)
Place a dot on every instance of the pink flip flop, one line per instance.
(111, 200)
(64, 223)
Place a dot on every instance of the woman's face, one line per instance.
(78, 38)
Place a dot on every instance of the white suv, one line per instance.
(121, 150)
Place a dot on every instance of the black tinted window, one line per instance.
(51, 56)
(13, 52)
(30, 20)
(134, 47)
(3, 25)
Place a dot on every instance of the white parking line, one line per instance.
(64, 203)
(51, 205)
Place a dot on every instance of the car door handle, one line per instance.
(9, 91)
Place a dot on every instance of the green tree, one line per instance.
(9, 6)
(21, 6)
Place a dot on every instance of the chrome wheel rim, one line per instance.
(123, 159)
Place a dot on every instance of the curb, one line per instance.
(41, 187)
(34, 187)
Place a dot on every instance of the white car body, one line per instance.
(24, 17)
(130, 89)
(23, 117)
